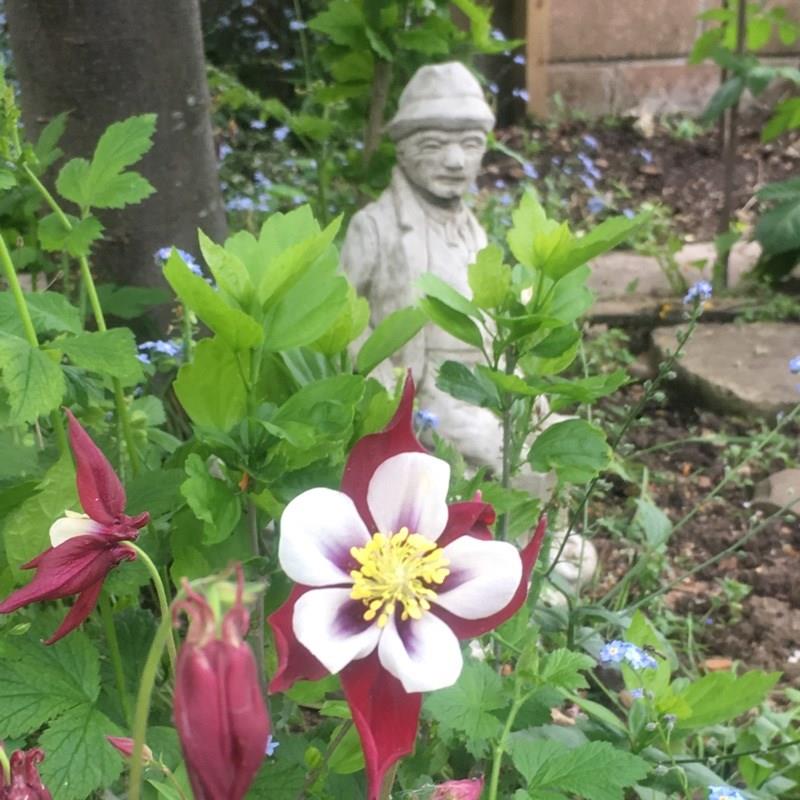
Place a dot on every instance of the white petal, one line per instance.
(410, 490)
(331, 625)
(318, 528)
(423, 654)
(483, 578)
(71, 526)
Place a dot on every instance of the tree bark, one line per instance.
(104, 61)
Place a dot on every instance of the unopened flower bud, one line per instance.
(219, 710)
(125, 746)
(459, 790)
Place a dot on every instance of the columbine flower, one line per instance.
(724, 793)
(219, 711)
(794, 365)
(124, 745)
(459, 790)
(25, 781)
(389, 578)
(699, 291)
(85, 547)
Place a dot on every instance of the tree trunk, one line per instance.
(104, 61)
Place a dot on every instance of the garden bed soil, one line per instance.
(685, 174)
(763, 629)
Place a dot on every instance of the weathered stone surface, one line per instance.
(779, 490)
(736, 368)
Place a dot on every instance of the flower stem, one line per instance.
(162, 596)
(30, 331)
(5, 766)
(87, 283)
(163, 637)
(388, 782)
(252, 522)
(500, 749)
(116, 658)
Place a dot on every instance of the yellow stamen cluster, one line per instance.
(397, 568)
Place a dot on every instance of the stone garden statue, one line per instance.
(421, 224)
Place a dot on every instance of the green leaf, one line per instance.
(72, 181)
(79, 759)
(555, 352)
(111, 353)
(575, 449)
(388, 337)
(780, 190)
(433, 286)
(460, 382)
(40, 683)
(25, 530)
(465, 707)
(348, 757)
(50, 312)
(46, 148)
(423, 41)
(453, 322)
(211, 500)
(596, 770)
(786, 117)
(654, 524)
(779, 229)
(343, 22)
(7, 180)
(33, 380)
(77, 241)
(726, 96)
(562, 669)
(211, 389)
(606, 236)
(228, 270)
(240, 330)
(350, 323)
(130, 302)
(721, 696)
(489, 278)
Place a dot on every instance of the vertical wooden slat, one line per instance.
(537, 33)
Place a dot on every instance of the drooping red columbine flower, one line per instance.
(85, 547)
(469, 789)
(389, 578)
(218, 706)
(25, 781)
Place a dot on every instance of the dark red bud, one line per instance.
(459, 790)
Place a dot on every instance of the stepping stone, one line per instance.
(737, 368)
(779, 490)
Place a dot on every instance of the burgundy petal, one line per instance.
(470, 628)
(371, 451)
(295, 662)
(385, 715)
(99, 489)
(81, 608)
(472, 518)
(68, 569)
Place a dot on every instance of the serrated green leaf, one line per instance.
(129, 302)
(111, 353)
(54, 237)
(489, 278)
(388, 337)
(25, 530)
(46, 148)
(33, 380)
(240, 330)
(575, 449)
(79, 759)
(40, 683)
(460, 382)
(122, 190)
(778, 230)
(211, 389)
(211, 500)
(50, 312)
(73, 181)
(465, 707)
(562, 668)
(596, 770)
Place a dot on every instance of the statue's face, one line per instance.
(442, 163)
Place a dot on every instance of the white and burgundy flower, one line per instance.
(389, 579)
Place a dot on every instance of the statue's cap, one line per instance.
(443, 96)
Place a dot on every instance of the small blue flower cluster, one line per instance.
(617, 651)
(699, 291)
(794, 365)
(272, 746)
(425, 419)
(163, 253)
(160, 346)
(724, 793)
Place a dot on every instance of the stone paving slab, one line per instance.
(737, 368)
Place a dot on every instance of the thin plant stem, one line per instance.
(500, 749)
(388, 782)
(163, 637)
(88, 285)
(107, 619)
(30, 331)
(5, 766)
(252, 522)
(160, 592)
(312, 776)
